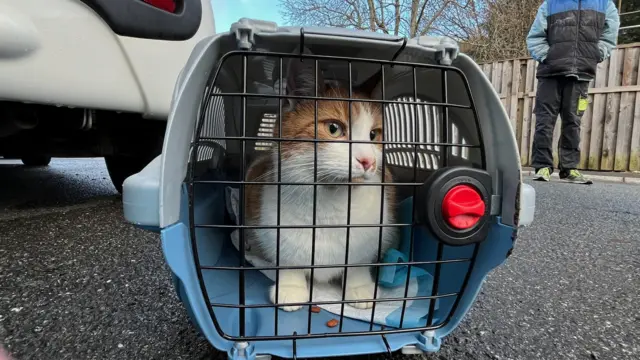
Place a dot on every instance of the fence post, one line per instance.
(526, 113)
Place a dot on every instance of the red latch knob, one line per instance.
(462, 207)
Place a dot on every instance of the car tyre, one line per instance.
(36, 160)
(132, 152)
(120, 167)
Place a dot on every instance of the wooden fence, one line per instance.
(610, 128)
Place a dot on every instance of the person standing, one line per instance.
(568, 38)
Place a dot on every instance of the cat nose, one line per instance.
(365, 162)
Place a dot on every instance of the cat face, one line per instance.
(336, 124)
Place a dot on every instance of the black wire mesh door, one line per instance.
(259, 133)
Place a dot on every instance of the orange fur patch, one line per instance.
(300, 123)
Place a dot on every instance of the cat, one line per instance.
(297, 165)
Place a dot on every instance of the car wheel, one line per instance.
(120, 167)
(131, 152)
(36, 160)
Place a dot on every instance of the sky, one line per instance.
(226, 12)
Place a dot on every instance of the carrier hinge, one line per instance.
(446, 49)
(245, 30)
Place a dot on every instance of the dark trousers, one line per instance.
(567, 97)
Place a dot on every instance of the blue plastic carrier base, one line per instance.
(215, 249)
(228, 93)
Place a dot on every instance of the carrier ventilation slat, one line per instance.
(400, 122)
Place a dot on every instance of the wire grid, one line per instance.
(416, 142)
(428, 121)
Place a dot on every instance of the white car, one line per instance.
(93, 78)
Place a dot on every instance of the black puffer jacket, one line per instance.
(572, 42)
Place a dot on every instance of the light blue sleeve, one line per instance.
(609, 37)
(537, 43)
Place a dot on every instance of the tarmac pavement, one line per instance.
(78, 282)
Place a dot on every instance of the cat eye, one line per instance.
(335, 129)
(375, 134)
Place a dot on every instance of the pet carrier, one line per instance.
(329, 192)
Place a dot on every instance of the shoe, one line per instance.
(543, 174)
(574, 176)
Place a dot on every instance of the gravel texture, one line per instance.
(77, 282)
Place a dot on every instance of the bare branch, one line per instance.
(397, 17)
(427, 27)
(487, 29)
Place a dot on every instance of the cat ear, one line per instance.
(371, 86)
(301, 76)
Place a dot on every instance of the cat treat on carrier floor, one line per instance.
(330, 192)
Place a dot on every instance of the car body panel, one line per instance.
(61, 52)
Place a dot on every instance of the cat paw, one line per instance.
(289, 294)
(360, 292)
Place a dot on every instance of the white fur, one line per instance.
(331, 209)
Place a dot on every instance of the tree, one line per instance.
(502, 26)
(486, 29)
(398, 17)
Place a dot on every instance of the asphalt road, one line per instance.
(77, 282)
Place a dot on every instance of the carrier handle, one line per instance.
(245, 30)
(349, 33)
